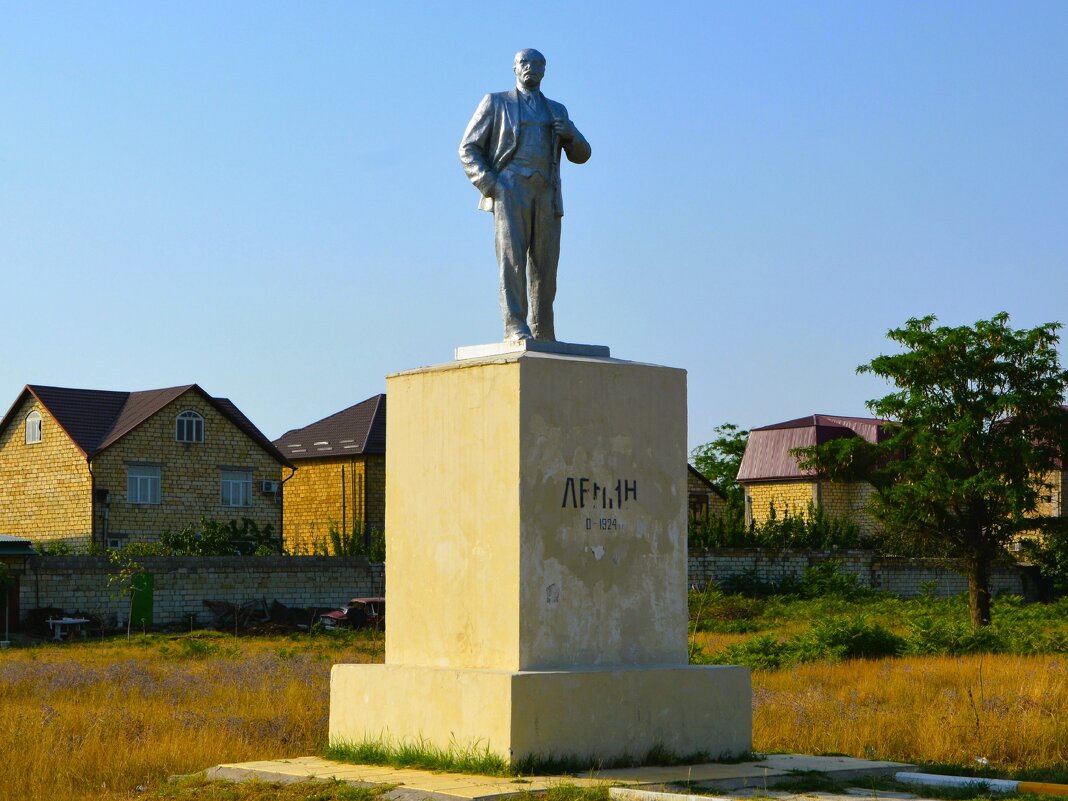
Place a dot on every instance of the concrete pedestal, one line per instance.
(601, 713)
(536, 567)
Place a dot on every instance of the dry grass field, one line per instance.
(99, 720)
(1010, 711)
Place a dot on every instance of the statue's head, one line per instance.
(529, 67)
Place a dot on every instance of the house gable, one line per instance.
(45, 487)
(75, 484)
(189, 475)
(774, 480)
(705, 498)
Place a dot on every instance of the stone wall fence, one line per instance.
(896, 575)
(181, 584)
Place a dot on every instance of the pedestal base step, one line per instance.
(607, 714)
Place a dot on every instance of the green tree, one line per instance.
(719, 460)
(218, 538)
(978, 422)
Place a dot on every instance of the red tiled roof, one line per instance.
(96, 419)
(357, 430)
(767, 453)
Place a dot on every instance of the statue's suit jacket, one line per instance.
(491, 139)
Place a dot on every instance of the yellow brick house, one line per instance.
(772, 478)
(104, 467)
(340, 475)
(705, 498)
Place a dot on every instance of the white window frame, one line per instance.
(189, 426)
(235, 488)
(33, 428)
(143, 484)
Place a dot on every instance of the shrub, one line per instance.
(720, 531)
(830, 640)
(827, 579)
(761, 653)
(54, 548)
(812, 528)
(931, 635)
(713, 610)
(854, 638)
(749, 583)
(1050, 553)
(215, 538)
(360, 540)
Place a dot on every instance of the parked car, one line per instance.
(359, 613)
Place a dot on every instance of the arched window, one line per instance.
(33, 428)
(189, 427)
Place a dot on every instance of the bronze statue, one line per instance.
(511, 153)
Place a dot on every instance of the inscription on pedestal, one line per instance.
(583, 492)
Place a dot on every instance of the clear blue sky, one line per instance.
(265, 198)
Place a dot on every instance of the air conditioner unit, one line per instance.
(269, 486)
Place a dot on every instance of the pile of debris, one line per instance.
(258, 616)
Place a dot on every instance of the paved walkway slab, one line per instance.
(409, 784)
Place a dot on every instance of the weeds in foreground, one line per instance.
(570, 792)
(1006, 712)
(473, 758)
(200, 789)
(96, 720)
(478, 759)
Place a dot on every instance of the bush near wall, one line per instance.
(183, 583)
(901, 576)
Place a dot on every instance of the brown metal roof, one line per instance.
(767, 453)
(96, 419)
(227, 407)
(139, 407)
(357, 430)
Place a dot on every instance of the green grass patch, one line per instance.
(574, 764)
(847, 623)
(474, 758)
(198, 788)
(571, 792)
(479, 760)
